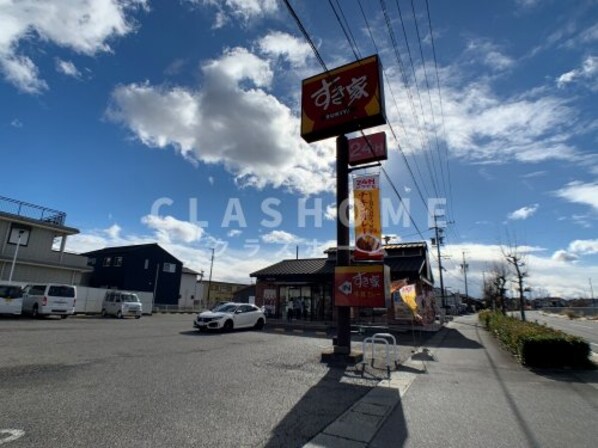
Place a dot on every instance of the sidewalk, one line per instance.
(464, 391)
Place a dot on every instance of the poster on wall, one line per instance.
(270, 301)
(368, 226)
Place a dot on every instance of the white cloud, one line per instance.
(488, 53)
(16, 123)
(587, 74)
(84, 26)
(280, 237)
(211, 180)
(234, 232)
(569, 281)
(233, 121)
(523, 212)
(67, 68)
(581, 193)
(584, 247)
(243, 10)
(295, 50)
(114, 231)
(169, 229)
(564, 256)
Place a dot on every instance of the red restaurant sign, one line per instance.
(362, 285)
(342, 100)
(367, 149)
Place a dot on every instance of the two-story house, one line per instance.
(37, 235)
(142, 267)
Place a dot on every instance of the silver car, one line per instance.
(121, 304)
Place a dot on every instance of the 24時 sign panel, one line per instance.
(370, 148)
(342, 100)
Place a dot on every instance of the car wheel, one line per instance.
(202, 329)
(104, 313)
(259, 324)
(119, 314)
(228, 325)
(64, 316)
(35, 311)
(137, 317)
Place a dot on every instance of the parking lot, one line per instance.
(155, 382)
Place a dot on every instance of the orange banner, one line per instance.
(368, 228)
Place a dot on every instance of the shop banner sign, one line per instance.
(362, 285)
(346, 99)
(368, 226)
(371, 148)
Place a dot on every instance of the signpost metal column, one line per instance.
(343, 252)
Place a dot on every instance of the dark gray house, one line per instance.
(143, 267)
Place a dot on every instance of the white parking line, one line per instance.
(10, 435)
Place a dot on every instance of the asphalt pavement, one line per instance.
(155, 382)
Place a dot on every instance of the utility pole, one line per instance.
(591, 290)
(210, 279)
(465, 268)
(439, 240)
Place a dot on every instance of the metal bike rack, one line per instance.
(382, 338)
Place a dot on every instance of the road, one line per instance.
(155, 382)
(587, 329)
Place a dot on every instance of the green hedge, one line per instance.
(537, 345)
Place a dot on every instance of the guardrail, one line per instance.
(32, 211)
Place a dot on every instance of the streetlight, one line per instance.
(14, 258)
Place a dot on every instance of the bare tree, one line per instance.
(516, 260)
(494, 285)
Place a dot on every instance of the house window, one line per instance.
(118, 261)
(92, 262)
(169, 267)
(107, 261)
(146, 265)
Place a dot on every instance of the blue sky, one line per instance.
(110, 108)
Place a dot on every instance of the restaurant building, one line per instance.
(305, 285)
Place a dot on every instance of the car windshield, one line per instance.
(130, 298)
(225, 308)
(10, 292)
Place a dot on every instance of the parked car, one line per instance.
(230, 316)
(121, 304)
(11, 299)
(50, 298)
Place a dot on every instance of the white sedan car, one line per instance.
(230, 316)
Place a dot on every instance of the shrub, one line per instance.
(537, 345)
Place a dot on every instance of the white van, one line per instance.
(49, 298)
(121, 304)
(11, 299)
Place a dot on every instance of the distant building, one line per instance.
(191, 290)
(143, 267)
(40, 234)
(221, 292)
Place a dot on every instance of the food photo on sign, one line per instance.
(368, 228)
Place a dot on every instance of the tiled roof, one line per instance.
(325, 266)
(306, 266)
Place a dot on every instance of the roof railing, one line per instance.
(32, 211)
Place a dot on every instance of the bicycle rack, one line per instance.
(383, 338)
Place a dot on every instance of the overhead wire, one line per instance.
(429, 159)
(398, 142)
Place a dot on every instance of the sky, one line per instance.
(178, 122)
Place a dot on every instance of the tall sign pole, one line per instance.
(343, 252)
